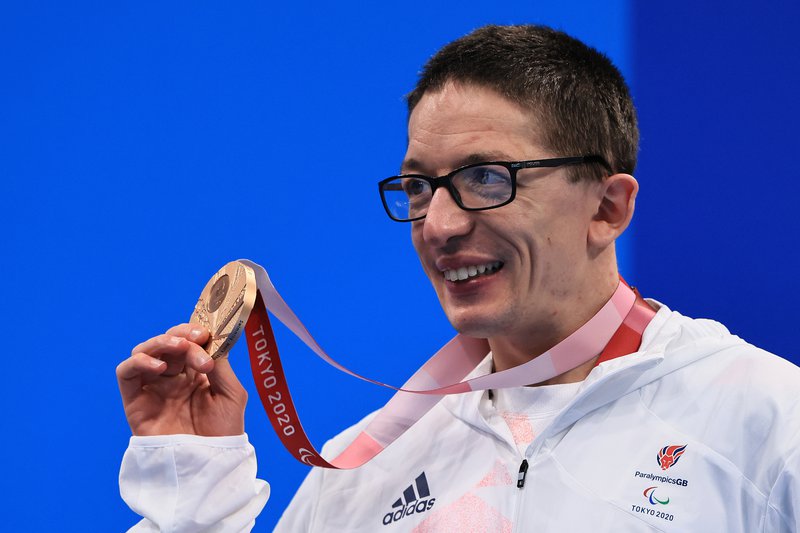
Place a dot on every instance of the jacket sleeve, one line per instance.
(186, 483)
(783, 507)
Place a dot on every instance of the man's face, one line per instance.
(533, 252)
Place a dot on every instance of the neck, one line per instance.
(520, 347)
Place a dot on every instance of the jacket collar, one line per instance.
(671, 341)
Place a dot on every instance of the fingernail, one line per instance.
(155, 363)
(202, 359)
(195, 334)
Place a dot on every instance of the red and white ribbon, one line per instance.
(615, 330)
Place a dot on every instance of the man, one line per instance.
(516, 182)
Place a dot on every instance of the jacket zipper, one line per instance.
(522, 474)
(523, 471)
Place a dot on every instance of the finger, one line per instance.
(188, 358)
(193, 332)
(173, 350)
(132, 370)
(223, 379)
(177, 352)
(197, 358)
(161, 345)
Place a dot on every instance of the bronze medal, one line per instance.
(225, 305)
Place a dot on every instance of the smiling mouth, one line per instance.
(473, 271)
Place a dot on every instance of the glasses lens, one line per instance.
(407, 197)
(483, 186)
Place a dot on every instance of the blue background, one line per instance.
(143, 145)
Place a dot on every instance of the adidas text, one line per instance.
(420, 507)
(412, 501)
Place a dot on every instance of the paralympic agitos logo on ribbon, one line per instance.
(669, 455)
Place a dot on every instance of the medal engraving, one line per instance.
(224, 306)
(218, 292)
(227, 317)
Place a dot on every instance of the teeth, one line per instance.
(462, 273)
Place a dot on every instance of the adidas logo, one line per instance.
(411, 502)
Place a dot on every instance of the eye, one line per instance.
(493, 176)
(415, 187)
(485, 176)
(483, 185)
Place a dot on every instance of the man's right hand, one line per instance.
(170, 385)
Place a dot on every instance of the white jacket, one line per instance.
(610, 461)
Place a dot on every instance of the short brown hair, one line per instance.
(579, 96)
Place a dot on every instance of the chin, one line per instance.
(473, 326)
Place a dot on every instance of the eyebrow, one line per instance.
(415, 165)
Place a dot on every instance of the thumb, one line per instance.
(223, 379)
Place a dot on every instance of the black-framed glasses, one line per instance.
(473, 187)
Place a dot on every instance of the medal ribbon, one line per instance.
(614, 331)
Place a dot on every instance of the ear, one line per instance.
(615, 210)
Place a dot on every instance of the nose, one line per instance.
(445, 220)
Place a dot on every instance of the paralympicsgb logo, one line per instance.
(669, 455)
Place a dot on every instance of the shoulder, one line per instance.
(342, 440)
(706, 357)
(740, 401)
(439, 418)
